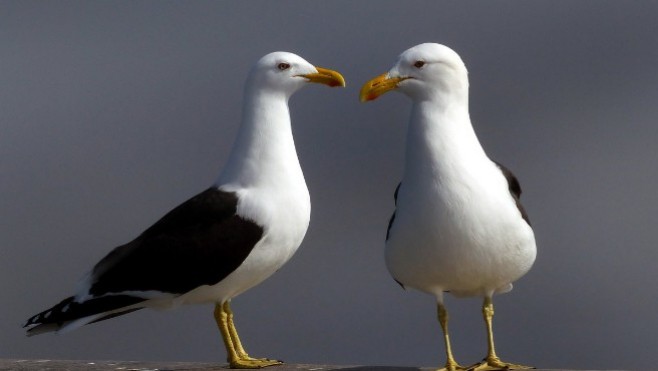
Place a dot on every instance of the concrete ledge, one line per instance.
(77, 365)
(62, 365)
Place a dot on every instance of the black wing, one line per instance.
(514, 189)
(390, 221)
(200, 242)
(69, 310)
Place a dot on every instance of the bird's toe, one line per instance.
(252, 363)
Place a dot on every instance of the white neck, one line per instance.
(264, 151)
(440, 139)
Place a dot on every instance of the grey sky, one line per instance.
(112, 113)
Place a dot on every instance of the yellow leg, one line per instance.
(451, 364)
(237, 357)
(492, 362)
(233, 333)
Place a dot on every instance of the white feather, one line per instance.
(457, 227)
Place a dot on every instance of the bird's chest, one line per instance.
(441, 221)
(457, 236)
(460, 207)
(284, 216)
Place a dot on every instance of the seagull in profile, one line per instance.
(223, 241)
(458, 225)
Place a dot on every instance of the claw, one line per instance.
(495, 364)
(254, 363)
(453, 367)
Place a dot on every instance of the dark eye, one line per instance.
(419, 64)
(283, 66)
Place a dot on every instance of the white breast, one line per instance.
(459, 235)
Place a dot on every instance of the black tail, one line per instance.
(68, 310)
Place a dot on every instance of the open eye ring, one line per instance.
(283, 66)
(419, 64)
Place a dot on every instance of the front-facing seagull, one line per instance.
(224, 240)
(458, 225)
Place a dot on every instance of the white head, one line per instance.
(264, 145)
(285, 73)
(423, 72)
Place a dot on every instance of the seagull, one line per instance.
(223, 241)
(458, 225)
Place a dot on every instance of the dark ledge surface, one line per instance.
(76, 365)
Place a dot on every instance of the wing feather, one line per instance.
(200, 242)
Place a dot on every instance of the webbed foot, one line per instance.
(453, 366)
(495, 364)
(251, 363)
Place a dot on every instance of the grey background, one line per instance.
(112, 113)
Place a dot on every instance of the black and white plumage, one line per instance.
(458, 225)
(224, 240)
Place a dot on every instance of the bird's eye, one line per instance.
(419, 64)
(283, 66)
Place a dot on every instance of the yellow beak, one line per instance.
(326, 76)
(378, 86)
